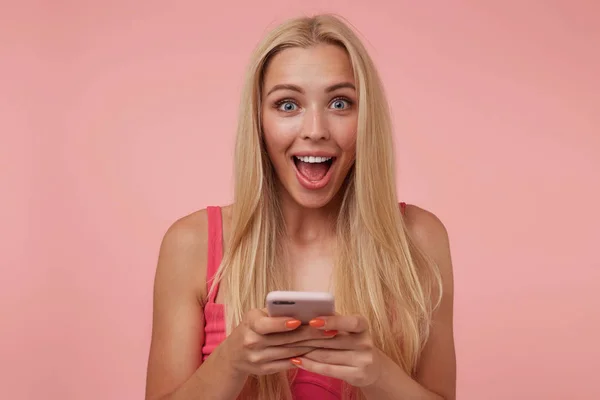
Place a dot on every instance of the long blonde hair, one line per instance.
(379, 272)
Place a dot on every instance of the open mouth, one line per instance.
(313, 169)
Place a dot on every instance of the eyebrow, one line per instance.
(299, 89)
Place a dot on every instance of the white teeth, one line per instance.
(312, 160)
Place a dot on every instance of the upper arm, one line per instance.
(437, 366)
(178, 319)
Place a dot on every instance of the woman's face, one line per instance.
(309, 120)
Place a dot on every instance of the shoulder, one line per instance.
(186, 235)
(425, 228)
(429, 234)
(437, 365)
(184, 251)
(183, 254)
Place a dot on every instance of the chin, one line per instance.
(315, 199)
(312, 201)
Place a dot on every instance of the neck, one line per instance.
(307, 225)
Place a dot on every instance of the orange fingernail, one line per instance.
(296, 361)
(330, 333)
(292, 324)
(317, 323)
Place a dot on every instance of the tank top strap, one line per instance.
(402, 207)
(215, 248)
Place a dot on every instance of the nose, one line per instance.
(315, 126)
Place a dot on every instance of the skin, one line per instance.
(320, 120)
(305, 117)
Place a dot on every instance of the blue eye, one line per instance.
(340, 104)
(287, 106)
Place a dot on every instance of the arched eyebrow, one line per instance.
(285, 86)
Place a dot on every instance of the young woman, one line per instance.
(315, 209)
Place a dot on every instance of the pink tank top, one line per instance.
(306, 385)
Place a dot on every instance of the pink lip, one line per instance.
(310, 185)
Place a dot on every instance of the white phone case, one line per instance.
(302, 306)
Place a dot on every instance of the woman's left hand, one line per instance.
(346, 352)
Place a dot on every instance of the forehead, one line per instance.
(320, 65)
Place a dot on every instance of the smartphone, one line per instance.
(303, 306)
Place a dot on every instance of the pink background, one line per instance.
(117, 117)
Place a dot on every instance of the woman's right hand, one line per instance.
(257, 345)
